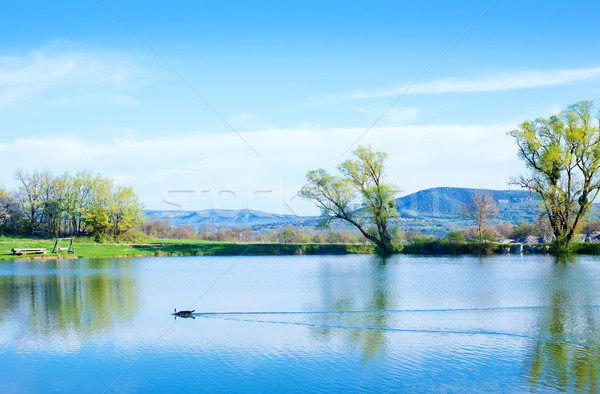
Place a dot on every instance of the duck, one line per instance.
(184, 313)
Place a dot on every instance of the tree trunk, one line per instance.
(384, 245)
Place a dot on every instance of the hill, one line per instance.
(515, 205)
(226, 218)
(437, 210)
(432, 211)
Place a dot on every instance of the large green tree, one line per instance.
(125, 210)
(112, 209)
(562, 154)
(359, 196)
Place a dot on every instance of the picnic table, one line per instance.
(22, 251)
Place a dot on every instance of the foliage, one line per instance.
(97, 218)
(358, 197)
(291, 235)
(523, 229)
(306, 236)
(66, 204)
(455, 236)
(124, 209)
(133, 235)
(563, 156)
(437, 246)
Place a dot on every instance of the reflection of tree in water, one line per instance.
(65, 298)
(561, 365)
(358, 293)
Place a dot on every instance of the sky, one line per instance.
(228, 105)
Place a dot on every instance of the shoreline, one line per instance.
(160, 248)
(163, 248)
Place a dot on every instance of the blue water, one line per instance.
(301, 323)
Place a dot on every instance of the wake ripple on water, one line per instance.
(490, 309)
(223, 316)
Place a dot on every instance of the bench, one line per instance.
(20, 252)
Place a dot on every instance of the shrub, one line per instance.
(455, 236)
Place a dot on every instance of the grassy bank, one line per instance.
(85, 247)
(447, 247)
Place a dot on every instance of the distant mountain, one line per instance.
(446, 202)
(437, 210)
(225, 218)
(432, 211)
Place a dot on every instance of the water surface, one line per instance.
(309, 323)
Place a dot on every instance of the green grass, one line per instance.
(86, 247)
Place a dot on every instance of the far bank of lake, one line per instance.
(87, 248)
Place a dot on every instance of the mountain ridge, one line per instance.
(432, 211)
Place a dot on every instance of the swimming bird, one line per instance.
(183, 313)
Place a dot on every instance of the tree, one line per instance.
(4, 212)
(358, 197)
(481, 208)
(111, 209)
(10, 212)
(158, 229)
(455, 236)
(52, 189)
(97, 217)
(184, 232)
(124, 210)
(523, 229)
(506, 230)
(563, 156)
(30, 196)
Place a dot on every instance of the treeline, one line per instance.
(68, 204)
(504, 231)
(161, 229)
(497, 233)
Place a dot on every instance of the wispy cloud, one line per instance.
(489, 83)
(393, 115)
(100, 77)
(208, 164)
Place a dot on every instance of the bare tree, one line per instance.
(30, 195)
(507, 230)
(10, 212)
(481, 208)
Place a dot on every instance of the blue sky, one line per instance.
(230, 104)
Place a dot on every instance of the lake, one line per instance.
(301, 323)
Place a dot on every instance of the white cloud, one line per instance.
(490, 83)
(218, 170)
(392, 115)
(100, 76)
